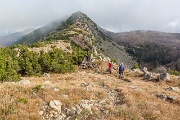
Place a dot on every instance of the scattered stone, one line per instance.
(90, 57)
(46, 75)
(171, 98)
(168, 98)
(173, 89)
(55, 104)
(148, 74)
(127, 80)
(70, 112)
(84, 84)
(87, 104)
(136, 88)
(41, 113)
(24, 82)
(164, 77)
(100, 58)
(162, 96)
(61, 117)
(78, 109)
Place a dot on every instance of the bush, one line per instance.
(136, 66)
(173, 72)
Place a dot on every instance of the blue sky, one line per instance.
(113, 15)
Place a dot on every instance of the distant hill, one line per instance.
(40, 33)
(80, 30)
(154, 47)
(12, 38)
(140, 36)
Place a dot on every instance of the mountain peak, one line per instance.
(78, 15)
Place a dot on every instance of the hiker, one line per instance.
(121, 70)
(110, 67)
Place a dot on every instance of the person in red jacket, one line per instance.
(110, 67)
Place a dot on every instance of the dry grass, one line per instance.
(20, 102)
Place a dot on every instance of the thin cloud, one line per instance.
(114, 15)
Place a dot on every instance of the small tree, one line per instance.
(136, 66)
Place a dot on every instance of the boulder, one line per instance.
(162, 96)
(148, 74)
(70, 112)
(173, 89)
(171, 98)
(90, 57)
(46, 75)
(164, 77)
(86, 104)
(56, 104)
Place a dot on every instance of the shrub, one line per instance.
(136, 66)
(23, 100)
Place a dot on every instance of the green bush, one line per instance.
(136, 66)
(17, 61)
(173, 72)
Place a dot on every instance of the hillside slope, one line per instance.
(157, 48)
(12, 38)
(140, 36)
(80, 30)
(85, 95)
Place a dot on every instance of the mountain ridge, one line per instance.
(82, 31)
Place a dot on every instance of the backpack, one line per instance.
(121, 68)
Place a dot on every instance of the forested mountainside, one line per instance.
(152, 47)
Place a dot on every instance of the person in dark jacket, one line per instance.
(121, 70)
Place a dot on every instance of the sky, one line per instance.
(113, 15)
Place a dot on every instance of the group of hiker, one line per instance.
(120, 69)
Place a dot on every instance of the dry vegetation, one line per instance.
(137, 97)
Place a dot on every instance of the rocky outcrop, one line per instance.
(164, 77)
(148, 75)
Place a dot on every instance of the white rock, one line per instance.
(174, 89)
(46, 75)
(41, 113)
(171, 98)
(24, 82)
(55, 104)
(84, 104)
